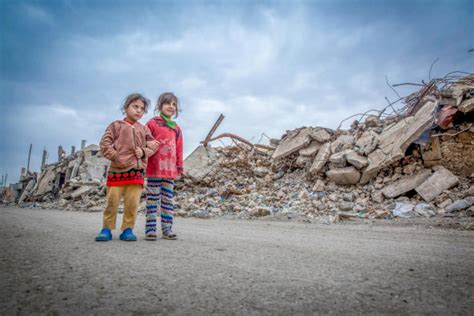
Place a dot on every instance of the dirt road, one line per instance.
(51, 264)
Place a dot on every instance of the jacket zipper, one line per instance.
(135, 144)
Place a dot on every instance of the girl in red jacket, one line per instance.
(163, 167)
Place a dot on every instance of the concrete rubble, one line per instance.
(407, 164)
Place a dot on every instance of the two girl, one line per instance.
(135, 150)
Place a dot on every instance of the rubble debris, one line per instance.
(441, 180)
(356, 160)
(320, 159)
(200, 163)
(405, 184)
(459, 205)
(367, 143)
(294, 141)
(344, 176)
(311, 150)
(343, 142)
(80, 192)
(402, 164)
(395, 139)
(467, 106)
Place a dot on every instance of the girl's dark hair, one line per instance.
(133, 97)
(164, 98)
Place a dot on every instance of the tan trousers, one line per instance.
(131, 198)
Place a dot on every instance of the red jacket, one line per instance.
(167, 162)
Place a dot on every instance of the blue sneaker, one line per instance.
(127, 235)
(104, 235)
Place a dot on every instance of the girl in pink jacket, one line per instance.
(163, 167)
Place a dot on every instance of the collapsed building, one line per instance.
(417, 160)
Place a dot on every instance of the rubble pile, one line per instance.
(421, 161)
(76, 182)
(417, 161)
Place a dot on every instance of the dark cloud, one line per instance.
(268, 66)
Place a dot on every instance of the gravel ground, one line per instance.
(50, 264)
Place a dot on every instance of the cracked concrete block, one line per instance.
(406, 184)
(27, 190)
(345, 176)
(293, 142)
(372, 121)
(439, 181)
(320, 159)
(395, 140)
(76, 194)
(319, 186)
(356, 160)
(93, 168)
(200, 163)
(467, 106)
(343, 142)
(311, 150)
(367, 142)
(339, 159)
(320, 135)
(46, 181)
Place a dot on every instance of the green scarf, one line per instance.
(169, 122)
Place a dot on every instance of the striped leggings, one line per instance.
(160, 192)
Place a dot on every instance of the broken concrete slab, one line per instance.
(320, 159)
(367, 142)
(46, 181)
(431, 153)
(356, 160)
(93, 168)
(200, 163)
(395, 140)
(343, 142)
(301, 161)
(406, 184)
(467, 106)
(311, 150)
(373, 121)
(339, 159)
(441, 180)
(319, 186)
(76, 194)
(293, 142)
(26, 192)
(320, 135)
(344, 176)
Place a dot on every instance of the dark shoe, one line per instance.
(169, 235)
(104, 235)
(127, 235)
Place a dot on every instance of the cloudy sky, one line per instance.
(269, 66)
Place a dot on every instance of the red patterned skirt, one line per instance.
(131, 176)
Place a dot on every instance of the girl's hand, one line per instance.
(139, 153)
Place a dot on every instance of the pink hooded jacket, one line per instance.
(167, 162)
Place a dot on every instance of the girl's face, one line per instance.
(135, 110)
(169, 109)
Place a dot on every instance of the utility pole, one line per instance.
(29, 158)
(43, 160)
